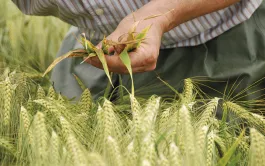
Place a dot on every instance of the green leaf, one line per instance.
(75, 53)
(225, 159)
(105, 46)
(141, 36)
(102, 59)
(80, 83)
(89, 56)
(127, 62)
(90, 48)
(120, 90)
(108, 89)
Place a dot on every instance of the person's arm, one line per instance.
(37, 7)
(145, 57)
(185, 10)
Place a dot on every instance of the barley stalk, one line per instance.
(136, 110)
(221, 143)
(25, 120)
(259, 121)
(163, 161)
(188, 91)
(49, 107)
(174, 155)
(244, 146)
(30, 107)
(61, 99)
(86, 101)
(51, 93)
(6, 144)
(150, 114)
(72, 144)
(148, 149)
(7, 101)
(210, 149)
(22, 87)
(201, 136)
(114, 152)
(40, 93)
(164, 120)
(40, 136)
(208, 112)
(239, 111)
(130, 155)
(95, 159)
(54, 156)
(111, 122)
(188, 131)
(257, 149)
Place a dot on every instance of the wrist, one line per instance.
(176, 12)
(172, 13)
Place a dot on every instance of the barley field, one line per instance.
(40, 127)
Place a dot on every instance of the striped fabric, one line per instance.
(101, 17)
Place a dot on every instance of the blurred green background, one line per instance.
(28, 43)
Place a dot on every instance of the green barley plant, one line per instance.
(40, 127)
(46, 131)
(28, 43)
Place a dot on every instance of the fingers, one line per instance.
(142, 59)
(114, 63)
(140, 62)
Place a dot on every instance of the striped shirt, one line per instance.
(101, 17)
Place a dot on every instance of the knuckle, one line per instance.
(150, 60)
(151, 57)
(151, 68)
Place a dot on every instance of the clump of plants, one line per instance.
(39, 127)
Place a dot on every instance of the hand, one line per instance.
(143, 58)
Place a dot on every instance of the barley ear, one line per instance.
(72, 144)
(7, 101)
(257, 148)
(188, 91)
(51, 93)
(25, 124)
(114, 152)
(40, 138)
(54, 146)
(40, 93)
(210, 149)
(174, 155)
(207, 114)
(86, 101)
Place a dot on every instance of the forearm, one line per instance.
(180, 11)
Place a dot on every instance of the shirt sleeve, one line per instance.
(37, 7)
(101, 17)
(47, 8)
